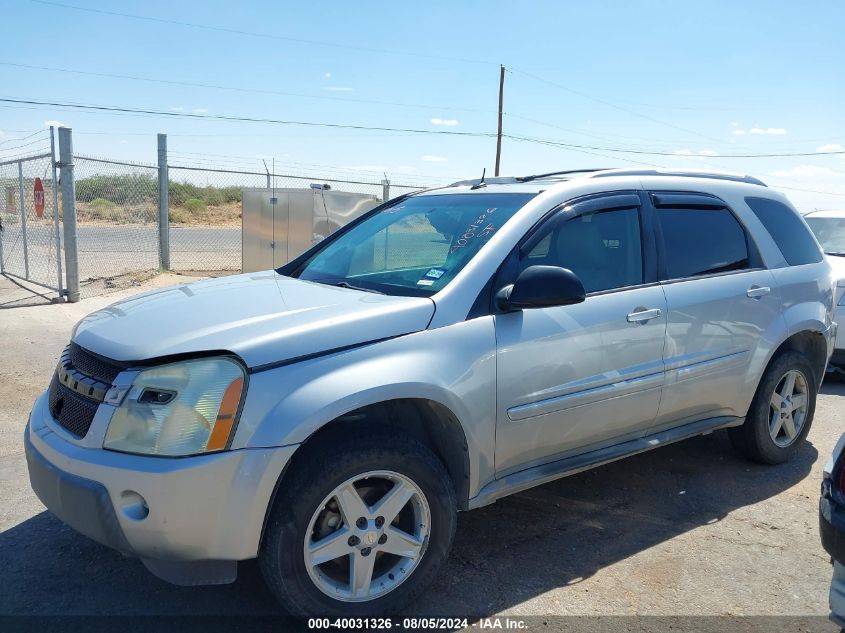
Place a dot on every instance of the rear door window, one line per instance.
(702, 242)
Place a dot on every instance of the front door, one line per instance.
(576, 378)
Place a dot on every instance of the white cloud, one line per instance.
(328, 75)
(740, 132)
(337, 89)
(734, 124)
(806, 172)
(689, 154)
(177, 109)
(449, 122)
(830, 147)
(433, 159)
(768, 130)
(199, 110)
(54, 123)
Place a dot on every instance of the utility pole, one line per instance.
(501, 101)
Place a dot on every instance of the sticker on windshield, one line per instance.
(435, 273)
(425, 282)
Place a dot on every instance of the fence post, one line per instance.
(23, 219)
(58, 236)
(385, 190)
(163, 204)
(69, 213)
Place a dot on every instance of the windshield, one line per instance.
(830, 232)
(415, 247)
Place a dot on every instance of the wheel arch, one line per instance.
(430, 422)
(809, 342)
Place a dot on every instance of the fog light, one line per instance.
(134, 506)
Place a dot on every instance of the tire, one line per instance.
(754, 439)
(306, 504)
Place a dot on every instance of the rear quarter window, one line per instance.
(791, 235)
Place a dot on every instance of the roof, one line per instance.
(539, 182)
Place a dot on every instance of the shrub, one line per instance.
(101, 205)
(195, 205)
(117, 189)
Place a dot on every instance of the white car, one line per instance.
(829, 228)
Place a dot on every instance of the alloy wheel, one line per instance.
(788, 408)
(367, 536)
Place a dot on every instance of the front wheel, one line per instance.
(360, 527)
(781, 413)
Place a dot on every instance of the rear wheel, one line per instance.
(781, 413)
(360, 527)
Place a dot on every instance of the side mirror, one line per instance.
(541, 287)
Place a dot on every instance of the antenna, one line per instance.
(481, 182)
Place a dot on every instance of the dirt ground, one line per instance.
(688, 529)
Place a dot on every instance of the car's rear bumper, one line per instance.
(202, 510)
(832, 528)
(832, 531)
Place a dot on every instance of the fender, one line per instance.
(455, 367)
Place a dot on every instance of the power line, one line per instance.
(241, 119)
(271, 36)
(556, 143)
(610, 104)
(192, 84)
(179, 82)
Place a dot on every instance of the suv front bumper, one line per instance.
(202, 510)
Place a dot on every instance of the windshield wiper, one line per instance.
(835, 253)
(346, 284)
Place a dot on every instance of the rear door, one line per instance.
(575, 378)
(721, 300)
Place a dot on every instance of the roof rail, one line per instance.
(559, 173)
(510, 180)
(689, 174)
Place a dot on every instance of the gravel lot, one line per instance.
(689, 529)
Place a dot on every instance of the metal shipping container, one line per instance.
(280, 224)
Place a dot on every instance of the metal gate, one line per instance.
(30, 245)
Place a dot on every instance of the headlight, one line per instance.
(180, 409)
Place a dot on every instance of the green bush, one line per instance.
(195, 205)
(140, 188)
(117, 189)
(101, 205)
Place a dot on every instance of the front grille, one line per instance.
(78, 387)
(72, 411)
(91, 365)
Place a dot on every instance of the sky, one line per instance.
(598, 84)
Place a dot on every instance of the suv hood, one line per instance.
(262, 317)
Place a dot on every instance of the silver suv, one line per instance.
(444, 350)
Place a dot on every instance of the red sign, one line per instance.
(38, 193)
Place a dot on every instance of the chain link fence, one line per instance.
(29, 245)
(205, 210)
(117, 223)
(120, 240)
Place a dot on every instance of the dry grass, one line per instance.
(105, 212)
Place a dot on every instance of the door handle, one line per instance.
(644, 315)
(757, 292)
